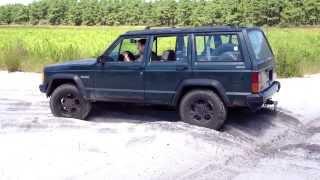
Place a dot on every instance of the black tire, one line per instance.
(66, 101)
(203, 108)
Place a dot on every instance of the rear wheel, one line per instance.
(203, 108)
(66, 101)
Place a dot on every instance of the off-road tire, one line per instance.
(203, 108)
(81, 109)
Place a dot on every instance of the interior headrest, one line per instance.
(169, 55)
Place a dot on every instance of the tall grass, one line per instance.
(48, 45)
(30, 48)
(297, 50)
(13, 55)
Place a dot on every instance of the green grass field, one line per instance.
(297, 50)
(30, 48)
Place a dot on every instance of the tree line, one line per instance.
(163, 12)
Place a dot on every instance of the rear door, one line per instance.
(262, 56)
(167, 66)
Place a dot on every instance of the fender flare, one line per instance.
(199, 83)
(75, 78)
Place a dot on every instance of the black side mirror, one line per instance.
(102, 59)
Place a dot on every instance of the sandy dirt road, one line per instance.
(134, 142)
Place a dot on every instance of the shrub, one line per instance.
(287, 65)
(14, 55)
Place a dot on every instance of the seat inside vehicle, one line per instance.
(223, 49)
(168, 55)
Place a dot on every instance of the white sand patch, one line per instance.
(34, 145)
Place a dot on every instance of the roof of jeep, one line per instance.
(185, 30)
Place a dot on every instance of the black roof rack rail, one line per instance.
(236, 26)
(150, 27)
(166, 30)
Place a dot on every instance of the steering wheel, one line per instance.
(126, 54)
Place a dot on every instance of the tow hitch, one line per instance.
(271, 102)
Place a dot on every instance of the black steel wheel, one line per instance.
(203, 108)
(66, 101)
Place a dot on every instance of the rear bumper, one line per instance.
(257, 100)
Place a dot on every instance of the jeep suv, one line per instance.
(199, 71)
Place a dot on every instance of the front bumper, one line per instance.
(255, 101)
(43, 88)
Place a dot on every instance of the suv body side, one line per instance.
(199, 71)
(166, 83)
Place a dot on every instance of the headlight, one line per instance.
(42, 77)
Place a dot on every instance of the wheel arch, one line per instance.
(59, 79)
(193, 84)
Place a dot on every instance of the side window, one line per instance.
(128, 50)
(218, 47)
(169, 48)
(259, 45)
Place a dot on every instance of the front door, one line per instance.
(120, 78)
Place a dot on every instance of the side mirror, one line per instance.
(103, 59)
(100, 59)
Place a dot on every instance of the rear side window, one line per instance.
(259, 45)
(169, 48)
(218, 47)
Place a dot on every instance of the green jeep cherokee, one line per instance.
(200, 71)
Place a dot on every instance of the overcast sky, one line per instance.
(2, 2)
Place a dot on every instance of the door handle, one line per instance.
(181, 67)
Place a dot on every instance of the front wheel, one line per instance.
(66, 101)
(203, 108)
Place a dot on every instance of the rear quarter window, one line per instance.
(260, 45)
(217, 47)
